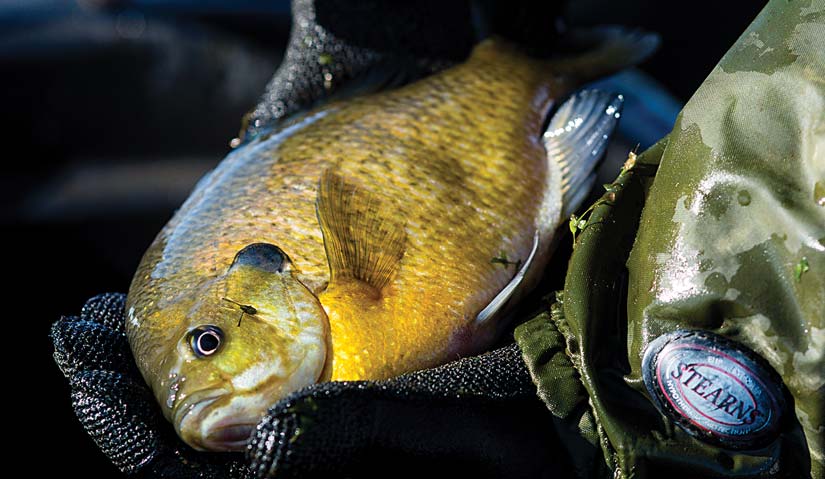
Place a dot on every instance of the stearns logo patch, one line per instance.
(714, 388)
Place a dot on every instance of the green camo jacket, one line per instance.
(689, 340)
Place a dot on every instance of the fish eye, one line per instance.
(205, 340)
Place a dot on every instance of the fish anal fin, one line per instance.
(363, 238)
(501, 300)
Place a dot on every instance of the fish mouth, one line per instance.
(188, 416)
(204, 422)
(228, 436)
(227, 426)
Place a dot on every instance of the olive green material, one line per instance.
(727, 236)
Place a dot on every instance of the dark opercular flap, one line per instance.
(263, 256)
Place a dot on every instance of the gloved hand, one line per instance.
(478, 415)
(115, 405)
(341, 47)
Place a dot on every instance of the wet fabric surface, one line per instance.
(731, 239)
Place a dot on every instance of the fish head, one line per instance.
(251, 337)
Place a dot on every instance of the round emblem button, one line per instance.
(714, 388)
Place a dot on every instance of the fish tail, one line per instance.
(604, 50)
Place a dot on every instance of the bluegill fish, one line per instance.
(367, 237)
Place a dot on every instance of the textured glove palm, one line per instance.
(479, 415)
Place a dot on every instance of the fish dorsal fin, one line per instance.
(501, 299)
(362, 237)
(577, 138)
(387, 74)
(602, 51)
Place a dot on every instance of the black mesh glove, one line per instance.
(114, 404)
(477, 415)
(347, 46)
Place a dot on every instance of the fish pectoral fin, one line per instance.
(576, 140)
(363, 238)
(503, 297)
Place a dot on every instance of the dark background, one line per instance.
(111, 110)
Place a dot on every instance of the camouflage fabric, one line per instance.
(719, 228)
